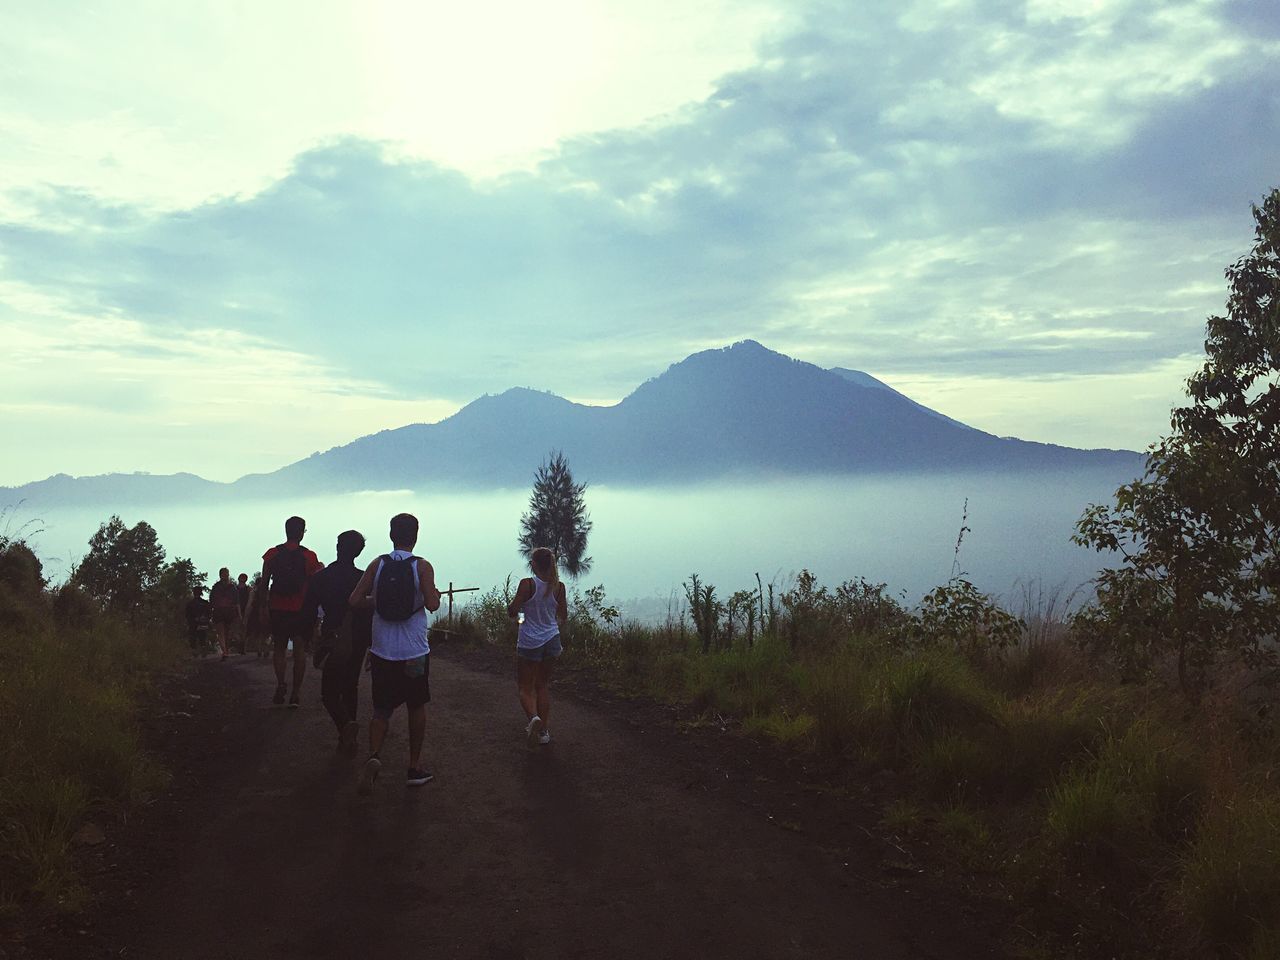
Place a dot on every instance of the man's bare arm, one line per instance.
(427, 584)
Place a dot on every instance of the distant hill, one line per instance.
(739, 412)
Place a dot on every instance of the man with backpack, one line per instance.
(401, 588)
(286, 568)
(344, 636)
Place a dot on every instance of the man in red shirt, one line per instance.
(285, 571)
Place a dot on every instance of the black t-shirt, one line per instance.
(243, 592)
(331, 589)
(223, 594)
(199, 611)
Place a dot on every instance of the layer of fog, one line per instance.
(899, 530)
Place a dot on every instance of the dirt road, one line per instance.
(606, 844)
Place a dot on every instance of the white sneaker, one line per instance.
(368, 774)
(533, 732)
(545, 738)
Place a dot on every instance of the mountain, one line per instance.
(739, 412)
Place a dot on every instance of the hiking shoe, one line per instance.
(533, 731)
(417, 776)
(368, 774)
(348, 738)
(545, 737)
(293, 701)
(281, 690)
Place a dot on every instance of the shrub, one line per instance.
(70, 677)
(960, 615)
(1231, 873)
(1135, 788)
(835, 694)
(783, 726)
(924, 693)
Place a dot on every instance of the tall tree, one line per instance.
(123, 564)
(557, 516)
(1199, 531)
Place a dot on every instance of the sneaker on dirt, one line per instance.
(545, 737)
(417, 776)
(533, 731)
(368, 774)
(293, 701)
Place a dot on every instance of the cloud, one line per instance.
(122, 394)
(1012, 196)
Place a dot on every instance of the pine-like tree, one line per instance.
(557, 516)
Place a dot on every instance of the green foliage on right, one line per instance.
(1199, 532)
(1004, 742)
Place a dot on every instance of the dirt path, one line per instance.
(603, 845)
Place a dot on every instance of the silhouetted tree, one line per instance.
(1199, 531)
(123, 564)
(557, 517)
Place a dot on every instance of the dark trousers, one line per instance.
(340, 685)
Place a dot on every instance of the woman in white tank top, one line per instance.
(540, 606)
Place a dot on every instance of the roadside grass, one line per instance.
(1155, 827)
(69, 745)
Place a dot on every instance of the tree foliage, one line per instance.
(122, 566)
(1199, 531)
(557, 517)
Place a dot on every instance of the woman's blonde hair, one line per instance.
(543, 563)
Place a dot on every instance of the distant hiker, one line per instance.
(226, 608)
(401, 588)
(541, 600)
(199, 611)
(344, 636)
(243, 593)
(286, 568)
(257, 621)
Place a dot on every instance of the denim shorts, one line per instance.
(548, 651)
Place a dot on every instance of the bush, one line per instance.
(835, 695)
(960, 615)
(1134, 789)
(70, 677)
(1231, 873)
(924, 693)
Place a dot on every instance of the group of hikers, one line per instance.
(350, 620)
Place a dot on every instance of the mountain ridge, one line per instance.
(737, 411)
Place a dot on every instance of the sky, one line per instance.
(235, 233)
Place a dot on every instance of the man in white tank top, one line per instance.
(399, 653)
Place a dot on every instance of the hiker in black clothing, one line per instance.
(199, 613)
(344, 636)
(243, 593)
(226, 610)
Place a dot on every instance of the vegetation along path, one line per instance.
(615, 841)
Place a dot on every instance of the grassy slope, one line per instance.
(70, 684)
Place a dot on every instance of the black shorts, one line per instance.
(393, 684)
(286, 625)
